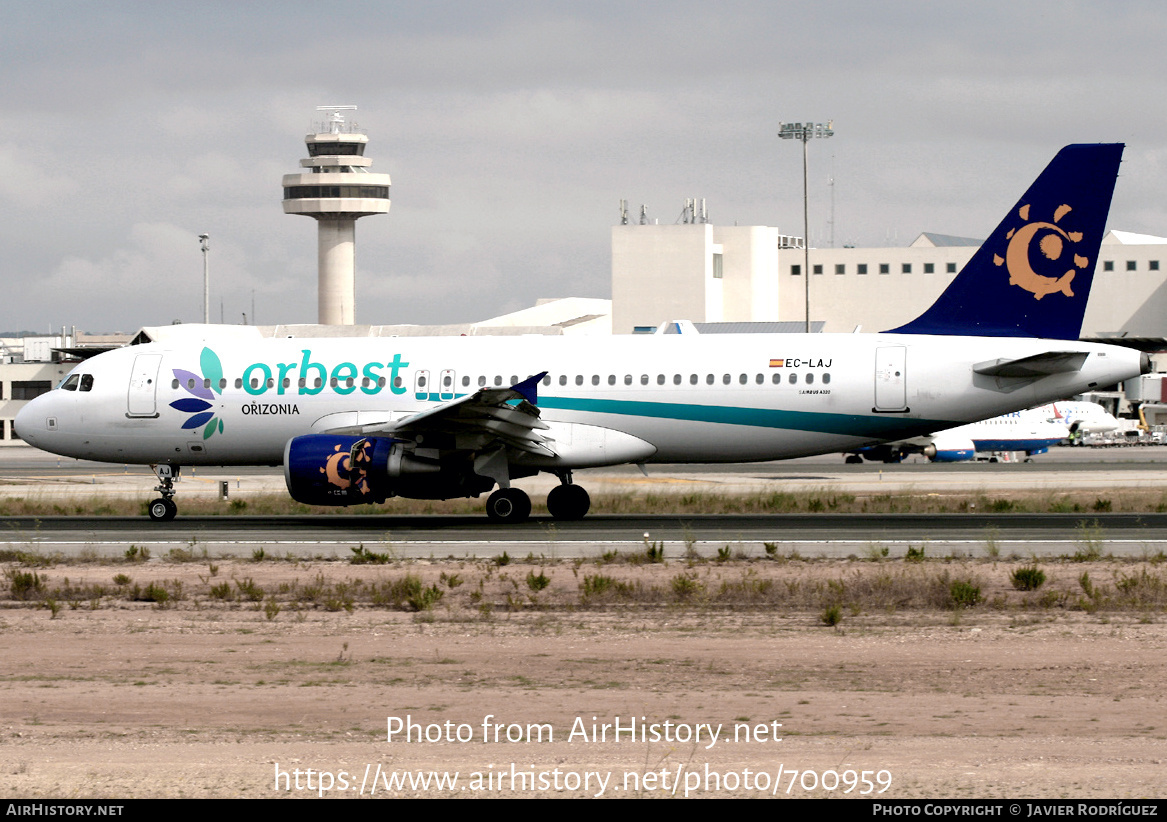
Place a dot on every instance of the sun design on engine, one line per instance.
(336, 468)
(1051, 242)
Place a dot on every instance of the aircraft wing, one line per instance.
(474, 422)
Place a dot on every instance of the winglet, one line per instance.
(529, 388)
(1032, 277)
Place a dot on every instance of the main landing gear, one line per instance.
(568, 501)
(565, 502)
(163, 509)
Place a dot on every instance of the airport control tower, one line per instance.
(336, 189)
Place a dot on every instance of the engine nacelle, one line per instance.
(954, 449)
(331, 469)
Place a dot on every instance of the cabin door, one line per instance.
(891, 379)
(141, 401)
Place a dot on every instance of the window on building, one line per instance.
(1108, 265)
(30, 389)
(817, 268)
(717, 266)
(840, 268)
(906, 268)
(861, 268)
(929, 268)
(950, 268)
(1131, 266)
(1152, 265)
(884, 268)
(795, 270)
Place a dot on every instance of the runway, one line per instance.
(808, 535)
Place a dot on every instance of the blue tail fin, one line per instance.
(1032, 277)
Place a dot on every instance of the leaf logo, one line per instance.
(204, 388)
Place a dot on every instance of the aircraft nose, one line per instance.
(26, 426)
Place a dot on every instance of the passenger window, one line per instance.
(660, 379)
(174, 383)
(481, 382)
(725, 379)
(777, 379)
(498, 379)
(579, 379)
(676, 379)
(238, 382)
(810, 379)
(287, 381)
(86, 382)
(793, 378)
(547, 380)
(222, 383)
(595, 379)
(628, 379)
(644, 379)
(709, 379)
(563, 379)
(611, 379)
(742, 379)
(760, 379)
(826, 379)
(692, 379)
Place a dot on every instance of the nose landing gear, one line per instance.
(163, 509)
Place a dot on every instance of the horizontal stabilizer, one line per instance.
(1033, 367)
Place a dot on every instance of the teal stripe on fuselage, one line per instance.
(855, 425)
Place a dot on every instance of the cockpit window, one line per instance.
(86, 382)
(70, 382)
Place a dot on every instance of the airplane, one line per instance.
(359, 420)
(1032, 431)
(1082, 417)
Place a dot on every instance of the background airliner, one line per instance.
(1033, 431)
(359, 420)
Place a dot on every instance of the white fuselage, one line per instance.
(714, 398)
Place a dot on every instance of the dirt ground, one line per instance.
(213, 696)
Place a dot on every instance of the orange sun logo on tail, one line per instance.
(1051, 245)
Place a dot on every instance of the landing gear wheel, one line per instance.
(568, 502)
(854, 459)
(162, 510)
(508, 505)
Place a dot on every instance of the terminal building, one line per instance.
(754, 274)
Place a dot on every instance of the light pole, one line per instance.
(205, 244)
(805, 132)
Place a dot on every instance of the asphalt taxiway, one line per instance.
(24, 472)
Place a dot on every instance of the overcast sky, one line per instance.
(512, 130)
